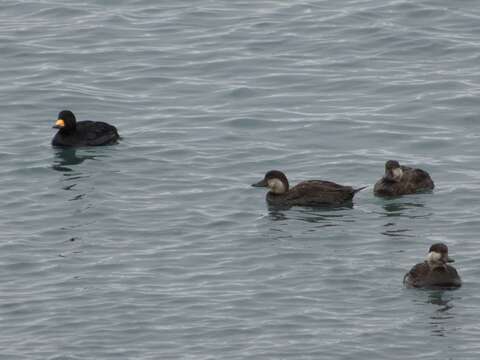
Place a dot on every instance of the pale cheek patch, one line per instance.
(397, 173)
(276, 186)
(434, 256)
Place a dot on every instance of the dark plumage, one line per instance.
(402, 180)
(82, 133)
(306, 193)
(434, 272)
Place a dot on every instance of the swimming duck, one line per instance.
(82, 133)
(434, 272)
(306, 193)
(402, 180)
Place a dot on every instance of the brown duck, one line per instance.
(305, 193)
(434, 272)
(402, 180)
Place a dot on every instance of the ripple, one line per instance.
(159, 245)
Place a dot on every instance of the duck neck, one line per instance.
(435, 265)
(66, 131)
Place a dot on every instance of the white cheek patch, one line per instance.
(397, 173)
(434, 256)
(276, 186)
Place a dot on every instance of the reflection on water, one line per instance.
(297, 222)
(64, 158)
(326, 207)
(440, 305)
(438, 297)
(276, 214)
(401, 208)
(332, 216)
(398, 209)
(76, 181)
(66, 161)
(396, 232)
(441, 318)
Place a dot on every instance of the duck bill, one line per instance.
(59, 124)
(450, 260)
(261, 183)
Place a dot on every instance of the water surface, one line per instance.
(159, 248)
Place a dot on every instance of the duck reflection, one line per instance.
(393, 209)
(276, 214)
(441, 318)
(396, 232)
(66, 161)
(397, 210)
(322, 216)
(438, 297)
(346, 205)
(65, 158)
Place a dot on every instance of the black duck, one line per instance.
(83, 133)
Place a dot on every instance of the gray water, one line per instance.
(158, 248)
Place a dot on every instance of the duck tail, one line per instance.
(359, 189)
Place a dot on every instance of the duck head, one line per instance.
(275, 180)
(393, 171)
(438, 255)
(66, 121)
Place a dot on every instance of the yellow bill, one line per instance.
(60, 123)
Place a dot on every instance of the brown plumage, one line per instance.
(402, 180)
(305, 193)
(433, 272)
